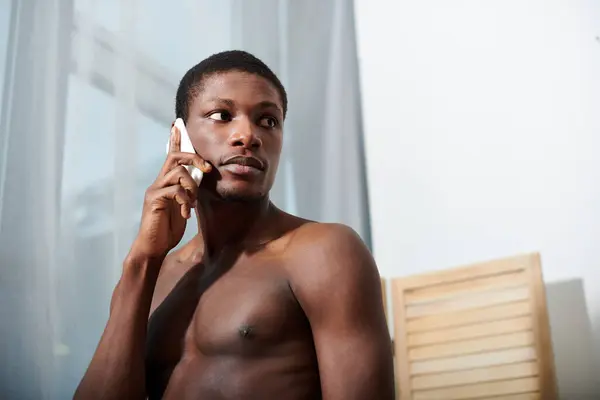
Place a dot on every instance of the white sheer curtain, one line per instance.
(87, 99)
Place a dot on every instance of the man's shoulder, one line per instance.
(316, 245)
(303, 235)
(317, 235)
(326, 255)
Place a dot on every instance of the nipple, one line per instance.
(245, 331)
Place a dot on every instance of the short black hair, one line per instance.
(232, 60)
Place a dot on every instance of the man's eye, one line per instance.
(220, 116)
(268, 122)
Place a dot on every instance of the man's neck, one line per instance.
(228, 223)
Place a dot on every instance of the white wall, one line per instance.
(482, 125)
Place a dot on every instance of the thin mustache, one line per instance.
(246, 160)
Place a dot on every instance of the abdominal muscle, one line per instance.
(292, 377)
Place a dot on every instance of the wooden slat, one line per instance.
(469, 301)
(514, 386)
(472, 361)
(460, 318)
(488, 268)
(470, 332)
(522, 396)
(384, 297)
(541, 330)
(402, 365)
(490, 343)
(479, 375)
(438, 292)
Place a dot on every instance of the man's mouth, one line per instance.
(246, 161)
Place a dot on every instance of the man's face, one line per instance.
(235, 123)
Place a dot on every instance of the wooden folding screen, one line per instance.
(477, 332)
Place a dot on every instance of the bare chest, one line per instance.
(248, 312)
(245, 313)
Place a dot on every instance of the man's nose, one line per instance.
(243, 134)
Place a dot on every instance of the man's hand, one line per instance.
(168, 202)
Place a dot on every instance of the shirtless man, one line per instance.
(259, 304)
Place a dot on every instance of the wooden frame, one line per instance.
(474, 332)
(384, 297)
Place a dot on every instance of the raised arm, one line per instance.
(117, 370)
(338, 286)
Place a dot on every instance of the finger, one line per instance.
(180, 196)
(186, 211)
(195, 160)
(174, 140)
(178, 158)
(178, 176)
(175, 193)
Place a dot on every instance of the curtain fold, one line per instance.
(33, 132)
(87, 101)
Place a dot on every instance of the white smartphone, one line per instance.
(187, 147)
